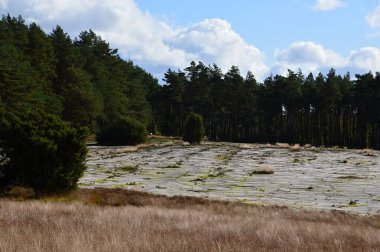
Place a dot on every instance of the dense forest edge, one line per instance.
(85, 82)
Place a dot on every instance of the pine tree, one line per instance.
(194, 130)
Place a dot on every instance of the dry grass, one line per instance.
(89, 221)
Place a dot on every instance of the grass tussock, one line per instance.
(88, 221)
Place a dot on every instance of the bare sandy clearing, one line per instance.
(309, 178)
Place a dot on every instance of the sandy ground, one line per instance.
(310, 178)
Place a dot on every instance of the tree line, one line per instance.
(331, 110)
(85, 82)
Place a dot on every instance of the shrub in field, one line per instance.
(41, 151)
(193, 129)
(124, 132)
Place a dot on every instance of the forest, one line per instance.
(85, 82)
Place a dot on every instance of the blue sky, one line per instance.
(269, 24)
(263, 36)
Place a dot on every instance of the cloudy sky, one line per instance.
(263, 36)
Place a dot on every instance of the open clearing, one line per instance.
(310, 178)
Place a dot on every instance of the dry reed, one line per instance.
(89, 221)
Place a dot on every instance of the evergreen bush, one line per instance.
(193, 129)
(41, 151)
(125, 131)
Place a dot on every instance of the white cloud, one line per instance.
(56, 9)
(214, 40)
(367, 58)
(210, 41)
(313, 57)
(373, 18)
(141, 37)
(308, 56)
(327, 5)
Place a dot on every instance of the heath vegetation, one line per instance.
(119, 220)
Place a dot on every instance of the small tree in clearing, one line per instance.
(193, 129)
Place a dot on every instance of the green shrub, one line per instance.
(193, 129)
(42, 152)
(124, 132)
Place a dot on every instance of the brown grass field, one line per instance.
(120, 220)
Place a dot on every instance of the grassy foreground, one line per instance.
(120, 220)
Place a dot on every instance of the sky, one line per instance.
(262, 36)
